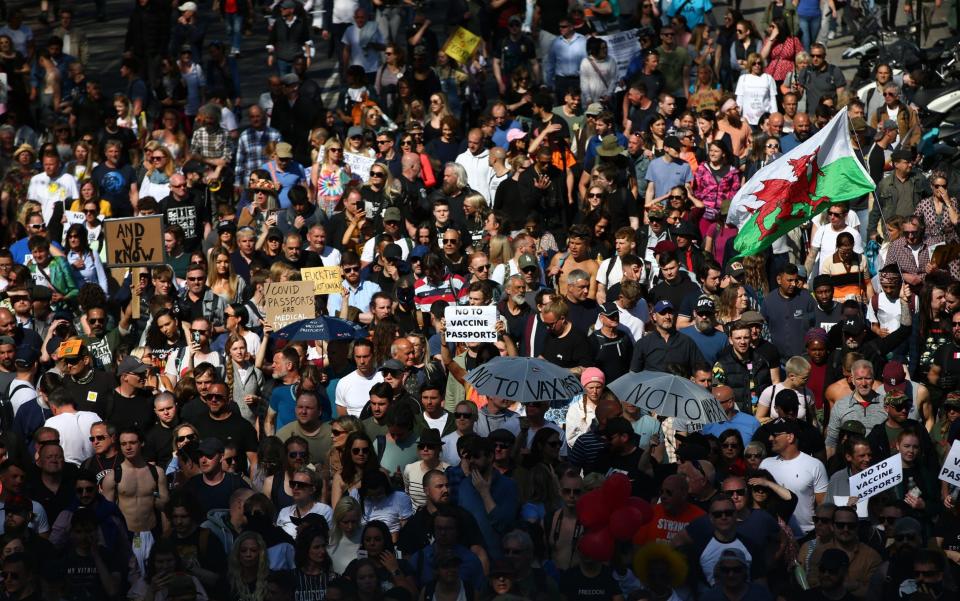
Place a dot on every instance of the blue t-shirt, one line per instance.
(114, 185)
(293, 176)
(808, 8)
(666, 175)
(709, 345)
(284, 402)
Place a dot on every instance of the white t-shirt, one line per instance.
(826, 240)
(449, 453)
(25, 392)
(804, 397)
(74, 429)
(49, 191)
(805, 477)
(39, 524)
(439, 423)
(712, 552)
(283, 518)
(353, 391)
(390, 510)
(616, 273)
(887, 314)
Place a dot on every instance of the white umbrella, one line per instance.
(524, 379)
(666, 394)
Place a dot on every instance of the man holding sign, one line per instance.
(356, 292)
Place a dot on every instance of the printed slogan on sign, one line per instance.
(134, 241)
(287, 302)
(471, 324)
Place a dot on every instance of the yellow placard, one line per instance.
(460, 45)
(326, 280)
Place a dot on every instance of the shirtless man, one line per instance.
(844, 387)
(564, 529)
(576, 257)
(141, 492)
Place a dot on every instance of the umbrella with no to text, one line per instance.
(524, 379)
(668, 395)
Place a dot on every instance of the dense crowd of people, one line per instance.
(159, 441)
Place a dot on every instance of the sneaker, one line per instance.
(234, 52)
(832, 35)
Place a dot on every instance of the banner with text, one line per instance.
(471, 324)
(287, 302)
(950, 470)
(622, 47)
(359, 165)
(326, 280)
(134, 241)
(461, 44)
(877, 478)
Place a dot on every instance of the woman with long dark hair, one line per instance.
(379, 549)
(848, 271)
(715, 183)
(732, 462)
(780, 48)
(279, 487)
(84, 263)
(314, 567)
(357, 459)
(164, 335)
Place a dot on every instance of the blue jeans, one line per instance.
(234, 25)
(809, 30)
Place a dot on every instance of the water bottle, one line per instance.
(914, 490)
(801, 575)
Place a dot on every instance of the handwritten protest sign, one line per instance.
(471, 324)
(74, 217)
(359, 165)
(326, 280)
(460, 45)
(950, 470)
(877, 478)
(287, 302)
(134, 241)
(622, 47)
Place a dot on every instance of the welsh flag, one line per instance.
(798, 186)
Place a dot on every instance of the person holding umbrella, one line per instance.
(565, 345)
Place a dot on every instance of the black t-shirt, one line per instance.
(133, 412)
(81, 577)
(417, 533)
(190, 214)
(572, 350)
(558, 140)
(100, 465)
(576, 585)
(218, 496)
(95, 395)
(612, 355)
(203, 546)
(234, 429)
(158, 444)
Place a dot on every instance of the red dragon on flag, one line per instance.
(784, 195)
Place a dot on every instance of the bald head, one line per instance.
(608, 408)
(409, 160)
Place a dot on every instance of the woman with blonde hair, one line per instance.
(221, 278)
(345, 536)
(439, 110)
(125, 117)
(476, 210)
(340, 429)
(791, 82)
(247, 568)
(83, 162)
(356, 143)
(380, 190)
(171, 134)
(329, 176)
(756, 91)
(733, 302)
(160, 166)
(499, 256)
(281, 272)
(244, 379)
(374, 119)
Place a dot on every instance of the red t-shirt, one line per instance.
(663, 527)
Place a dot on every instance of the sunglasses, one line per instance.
(820, 520)
(463, 415)
(297, 454)
(157, 158)
(351, 269)
(85, 490)
(360, 450)
(377, 174)
(939, 185)
(594, 195)
(38, 226)
(844, 525)
(200, 279)
(186, 437)
(500, 446)
(337, 432)
(725, 513)
(773, 146)
(72, 360)
(90, 211)
(232, 460)
(214, 397)
(295, 484)
(736, 492)
(423, 447)
(450, 240)
(98, 438)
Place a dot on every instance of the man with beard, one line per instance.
(703, 331)
(198, 301)
(733, 124)
(610, 271)
(802, 130)
(744, 370)
(132, 404)
(612, 346)
(454, 190)
(103, 345)
(513, 306)
(664, 345)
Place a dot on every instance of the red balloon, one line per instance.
(644, 506)
(596, 545)
(592, 511)
(616, 490)
(625, 522)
